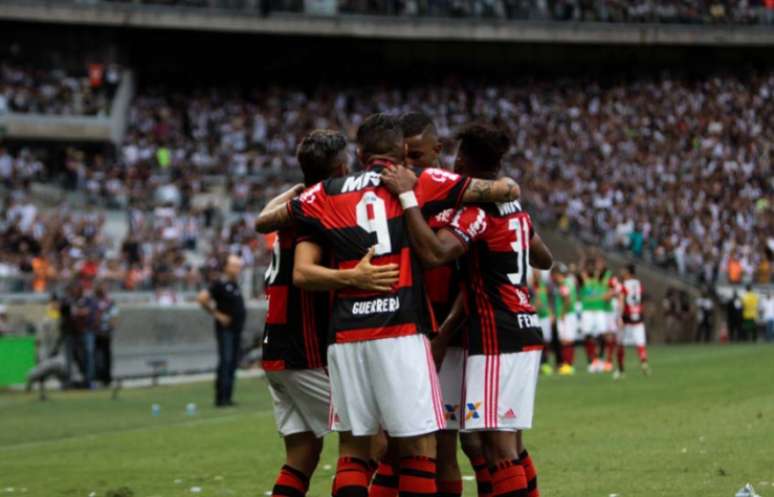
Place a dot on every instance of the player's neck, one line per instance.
(375, 160)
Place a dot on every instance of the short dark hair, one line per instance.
(632, 269)
(484, 145)
(317, 153)
(415, 123)
(380, 134)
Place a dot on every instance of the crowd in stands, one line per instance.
(636, 11)
(676, 172)
(55, 91)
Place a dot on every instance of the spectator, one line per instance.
(734, 317)
(85, 314)
(767, 311)
(750, 315)
(107, 315)
(706, 313)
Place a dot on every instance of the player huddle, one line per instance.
(591, 304)
(400, 314)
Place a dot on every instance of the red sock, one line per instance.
(643, 353)
(620, 352)
(417, 477)
(351, 478)
(568, 354)
(385, 482)
(509, 479)
(449, 488)
(290, 483)
(591, 349)
(531, 473)
(483, 478)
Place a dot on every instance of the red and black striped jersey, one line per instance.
(631, 289)
(297, 320)
(352, 213)
(442, 282)
(497, 236)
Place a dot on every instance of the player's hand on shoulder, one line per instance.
(376, 278)
(399, 179)
(297, 189)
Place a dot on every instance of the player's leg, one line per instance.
(301, 405)
(545, 360)
(403, 374)
(640, 341)
(450, 378)
(529, 467)
(385, 479)
(567, 334)
(449, 478)
(508, 475)
(354, 414)
(472, 447)
(588, 326)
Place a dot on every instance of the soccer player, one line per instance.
(546, 317)
(504, 339)
(295, 334)
(610, 290)
(423, 147)
(381, 370)
(565, 297)
(593, 318)
(633, 333)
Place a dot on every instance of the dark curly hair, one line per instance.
(483, 145)
(318, 154)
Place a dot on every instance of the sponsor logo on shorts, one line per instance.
(451, 412)
(509, 414)
(472, 408)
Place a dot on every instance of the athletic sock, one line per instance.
(385, 482)
(568, 354)
(531, 473)
(483, 477)
(620, 352)
(449, 488)
(508, 479)
(591, 350)
(290, 483)
(417, 477)
(642, 352)
(351, 478)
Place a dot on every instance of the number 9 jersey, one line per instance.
(352, 213)
(502, 318)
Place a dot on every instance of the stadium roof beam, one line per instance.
(376, 27)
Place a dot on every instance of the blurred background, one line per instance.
(138, 139)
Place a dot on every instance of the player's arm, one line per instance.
(449, 329)
(431, 248)
(539, 255)
(485, 190)
(276, 214)
(309, 274)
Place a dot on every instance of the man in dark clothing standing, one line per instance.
(223, 300)
(108, 314)
(734, 317)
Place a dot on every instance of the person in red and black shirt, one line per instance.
(633, 316)
(504, 339)
(295, 334)
(381, 370)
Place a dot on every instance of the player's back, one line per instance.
(632, 297)
(296, 320)
(352, 213)
(502, 317)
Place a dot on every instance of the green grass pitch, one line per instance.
(702, 425)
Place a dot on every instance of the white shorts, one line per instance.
(389, 383)
(594, 323)
(612, 322)
(633, 334)
(450, 377)
(301, 400)
(545, 328)
(500, 391)
(567, 328)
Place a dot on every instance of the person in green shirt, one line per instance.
(564, 298)
(544, 313)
